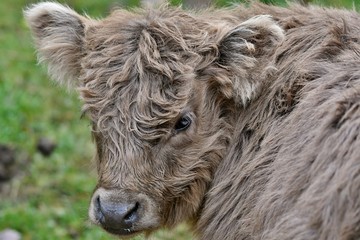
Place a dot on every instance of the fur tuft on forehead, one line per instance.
(137, 72)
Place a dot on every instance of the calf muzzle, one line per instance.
(115, 214)
(117, 218)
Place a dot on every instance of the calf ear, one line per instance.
(244, 54)
(58, 33)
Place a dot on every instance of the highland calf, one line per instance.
(243, 122)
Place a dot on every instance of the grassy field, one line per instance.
(49, 197)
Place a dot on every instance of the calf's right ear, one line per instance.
(58, 32)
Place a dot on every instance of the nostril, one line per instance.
(97, 202)
(98, 212)
(132, 213)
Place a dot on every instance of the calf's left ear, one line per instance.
(58, 33)
(244, 55)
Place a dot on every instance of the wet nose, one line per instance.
(116, 217)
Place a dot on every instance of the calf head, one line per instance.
(161, 88)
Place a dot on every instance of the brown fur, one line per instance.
(273, 150)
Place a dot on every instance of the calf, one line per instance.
(243, 122)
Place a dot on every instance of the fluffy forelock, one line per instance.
(137, 70)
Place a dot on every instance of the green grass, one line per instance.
(50, 198)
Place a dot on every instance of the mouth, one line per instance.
(122, 232)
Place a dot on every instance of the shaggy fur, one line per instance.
(273, 96)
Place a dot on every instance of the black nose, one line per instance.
(116, 217)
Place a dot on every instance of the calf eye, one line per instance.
(183, 123)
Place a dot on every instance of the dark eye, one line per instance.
(183, 123)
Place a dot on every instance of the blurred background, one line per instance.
(46, 167)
